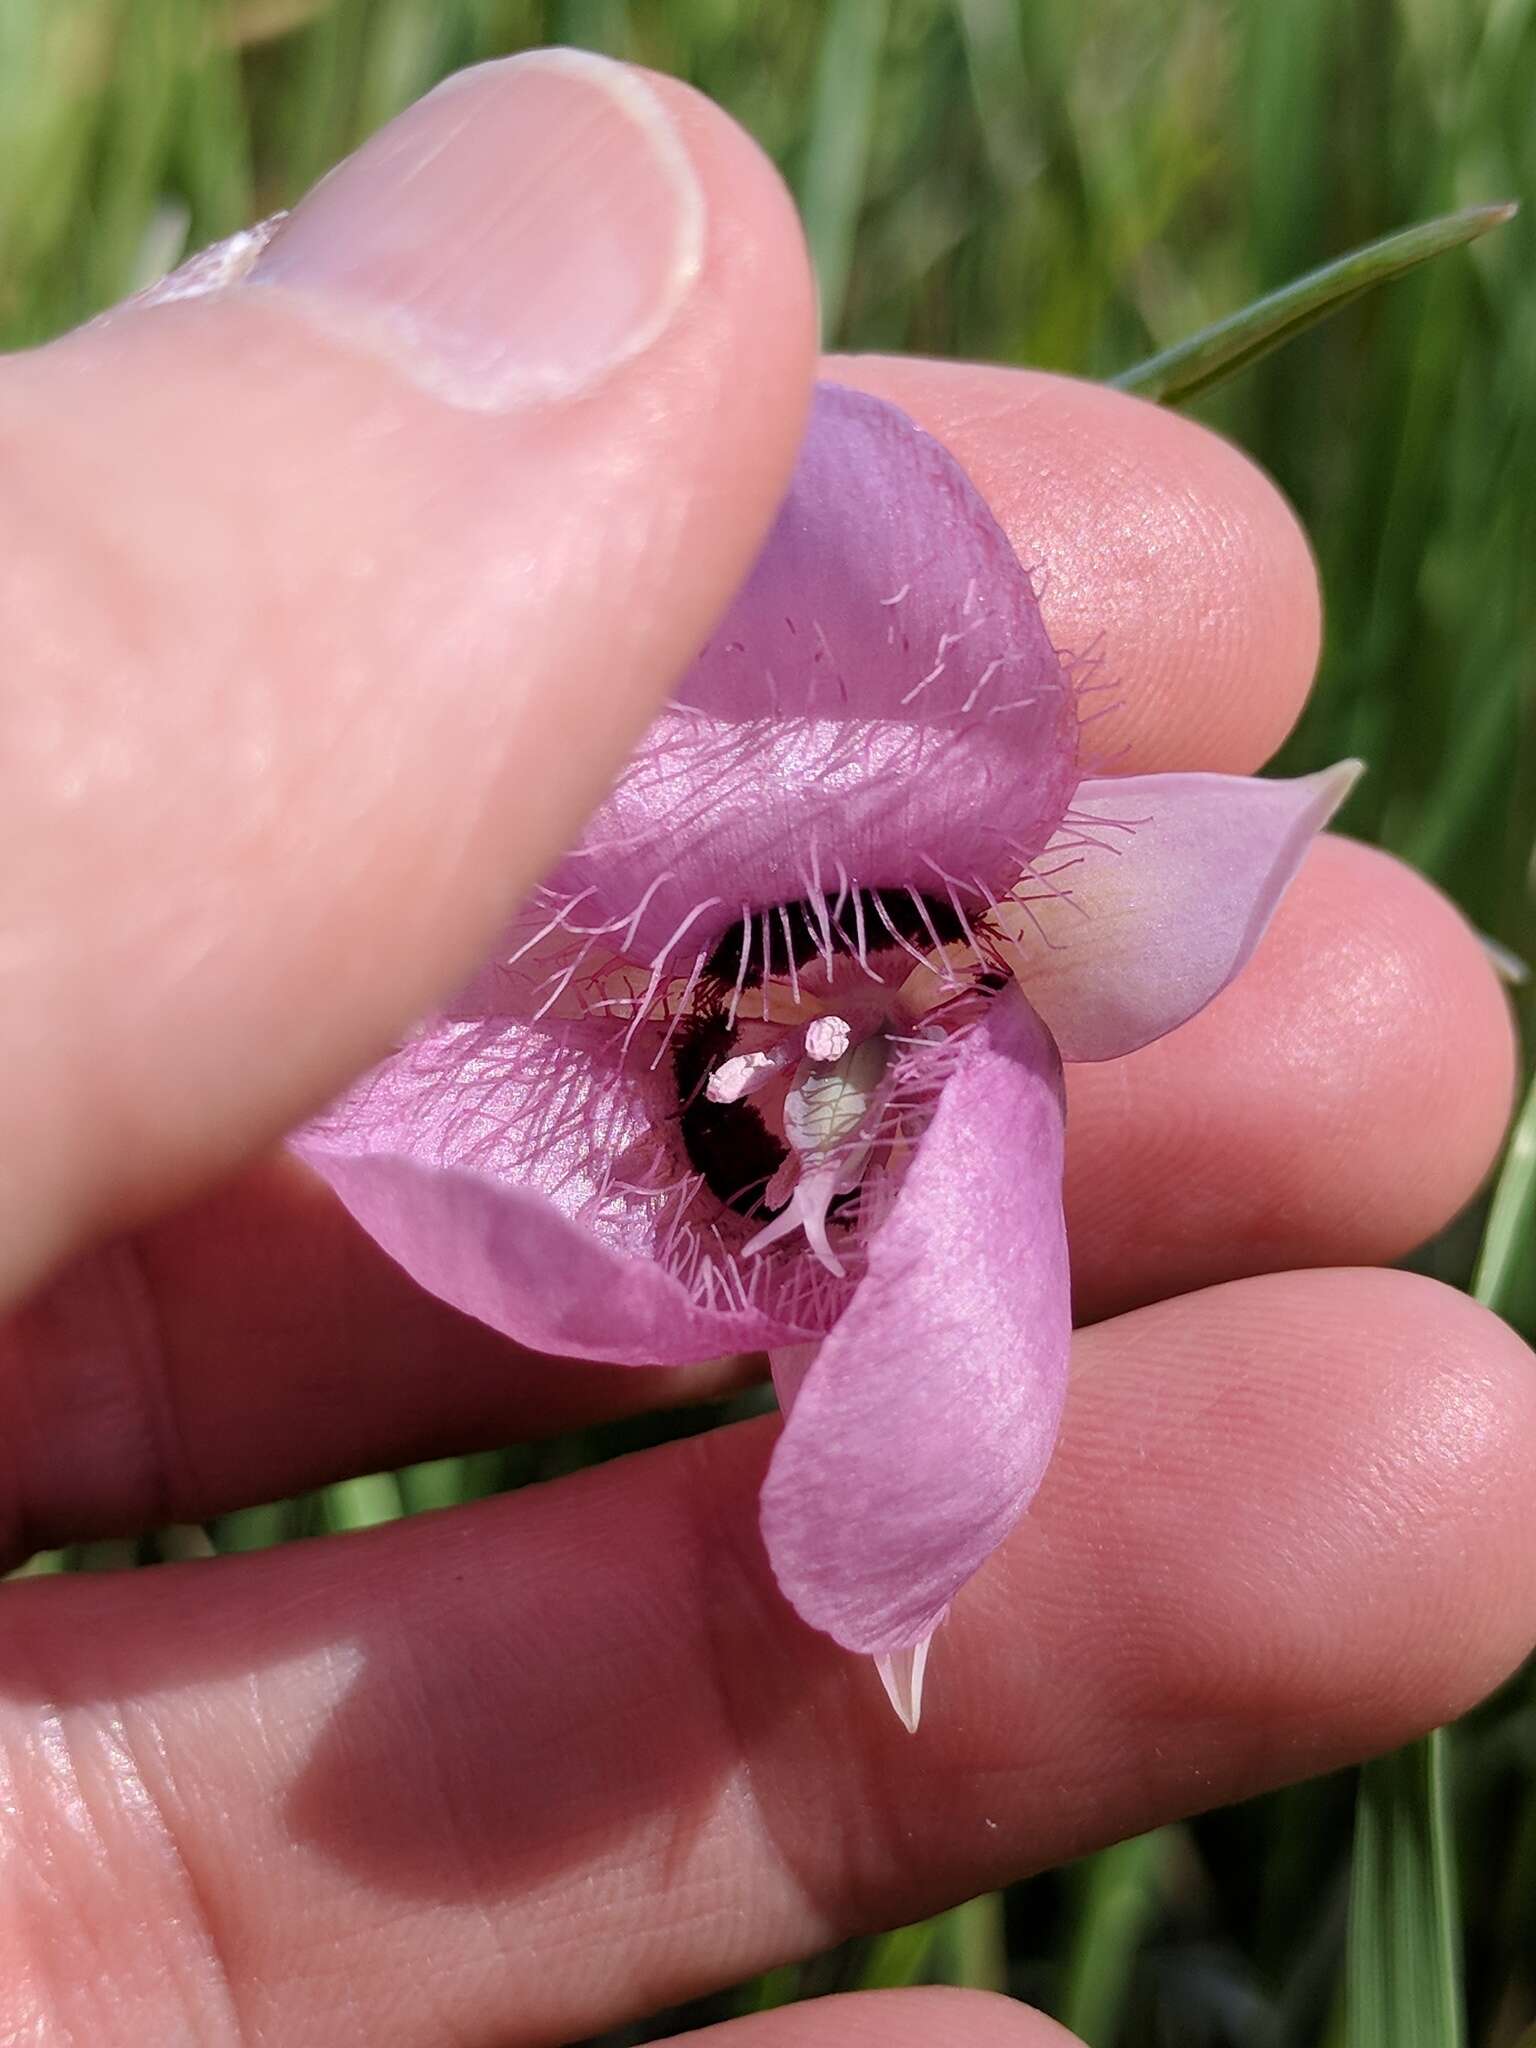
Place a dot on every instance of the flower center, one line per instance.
(786, 1078)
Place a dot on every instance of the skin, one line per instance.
(384, 1789)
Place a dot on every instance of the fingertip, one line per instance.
(1419, 998)
(1379, 1012)
(1168, 563)
(1457, 1450)
(1340, 1102)
(1435, 1446)
(927, 2016)
(1348, 1504)
(757, 251)
(524, 230)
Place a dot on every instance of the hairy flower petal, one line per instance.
(1159, 893)
(881, 702)
(527, 1175)
(922, 1427)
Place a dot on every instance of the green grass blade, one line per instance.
(1403, 1964)
(597, 25)
(899, 1958)
(1121, 1890)
(213, 150)
(257, 1528)
(1220, 351)
(184, 1543)
(108, 1554)
(837, 147)
(994, 51)
(973, 1945)
(404, 53)
(439, 1484)
(41, 1564)
(963, 1946)
(363, 1503)
(1510, 1231)
(148, 68)
(771, 1990)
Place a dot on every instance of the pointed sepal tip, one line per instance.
(901, 1673)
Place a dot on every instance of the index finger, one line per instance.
(1160, 552)
(566, 1755)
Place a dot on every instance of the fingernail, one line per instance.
(510, 239)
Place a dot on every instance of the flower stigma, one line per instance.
(787, 1127)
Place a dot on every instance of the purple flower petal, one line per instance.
(921, 1430)
(528, 1175)
(881, 704)
(1162, 890)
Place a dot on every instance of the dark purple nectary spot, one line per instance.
(882, 910)
(727, 1142)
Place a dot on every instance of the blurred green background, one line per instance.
(1075, 184)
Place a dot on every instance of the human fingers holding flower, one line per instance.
(363, 784)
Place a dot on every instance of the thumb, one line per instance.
(333, 586)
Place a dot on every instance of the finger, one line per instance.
(259, 1344)
(253, 1346)
(1336, 1106)
(331, 600)
(1159, 551)
(572, 1747)
(933, 2017)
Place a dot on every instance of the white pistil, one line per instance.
(826, 1111)
(813, 1195)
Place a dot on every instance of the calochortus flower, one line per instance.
(773, 1059)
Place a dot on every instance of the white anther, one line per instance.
(743, 1075)
(827, 1038)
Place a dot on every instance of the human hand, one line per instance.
(317, 652)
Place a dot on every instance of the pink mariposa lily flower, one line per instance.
(773, 1060)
